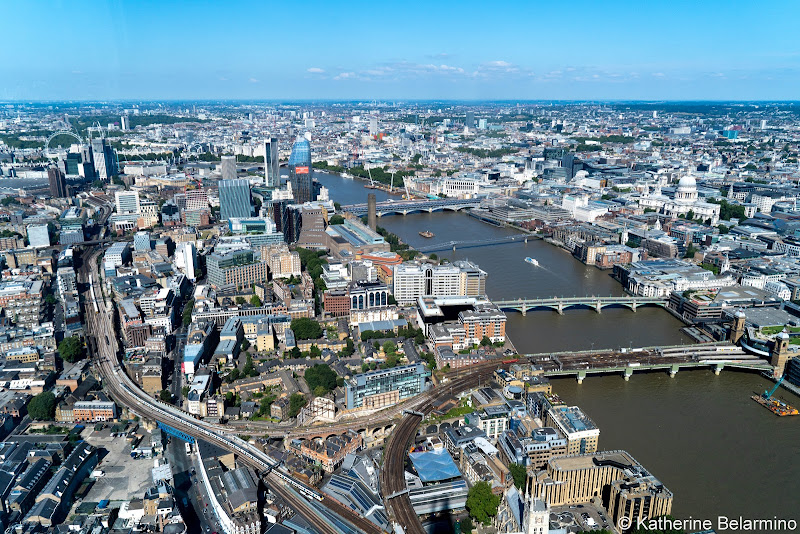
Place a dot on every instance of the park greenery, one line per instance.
(487, 153)
(71, 349)
(43, 406)
(312, 262)
(296, 403)
(728, 211)
(395, 245)
(482, 503)
(320, 379)
(305, 328)
(519, 474)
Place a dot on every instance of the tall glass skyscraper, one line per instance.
(104, 159)
(272, 175)
(300, 171)
(234, 198)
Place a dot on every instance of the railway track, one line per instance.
(393, 485)
(103, 345)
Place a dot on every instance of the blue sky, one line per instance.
(650, 49)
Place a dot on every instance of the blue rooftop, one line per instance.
(434, 466)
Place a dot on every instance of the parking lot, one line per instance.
(579, 518)
(125, 478)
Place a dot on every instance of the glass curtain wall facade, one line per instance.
(300, 171)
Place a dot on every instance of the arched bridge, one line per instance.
(560, 304)
(405, 207)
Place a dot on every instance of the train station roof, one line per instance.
(434, 466)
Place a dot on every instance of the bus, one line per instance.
(188, 448)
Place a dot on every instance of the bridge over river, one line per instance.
(560, 304)
(404, 207)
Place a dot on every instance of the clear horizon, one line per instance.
(448, 51)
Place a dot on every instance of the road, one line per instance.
(177, 376)
(103, 347)
(186, 486)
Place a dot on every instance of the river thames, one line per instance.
(719, 452)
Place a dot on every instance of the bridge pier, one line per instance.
(673, 370)
(560, 309)
(633, 307)
(581, 376)
(627, 374)
(524, 308)
(717, 368)
(598, 307)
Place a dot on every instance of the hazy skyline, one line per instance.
(366, 50)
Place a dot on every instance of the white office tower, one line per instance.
(228, 167)
(763, 124)
(373, 125)
(655, 114)
(187, 259)
(127, 202)
(124, 123)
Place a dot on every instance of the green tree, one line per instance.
(485, 342)
(430, 359)
(319, 391)
(240, 300)
(249, 369)
(71, 349)
(42, 407)
(255, 301)
(391, 301)
(296, 402)
(336, 219)
(245, 345)
(349, 348)
(389, 347)
(185, 390)
(187, 312)
(519, 473)
(419, 338)
(466, 526)
(50, 299)
(691, 250)
(295, 352)
(232, 376)
(165, 395)
(320, 375)
(482, 503)
(314, 352)
(305, 328)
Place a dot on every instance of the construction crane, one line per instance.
(770, 393)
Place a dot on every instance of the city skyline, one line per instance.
(714, 51)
